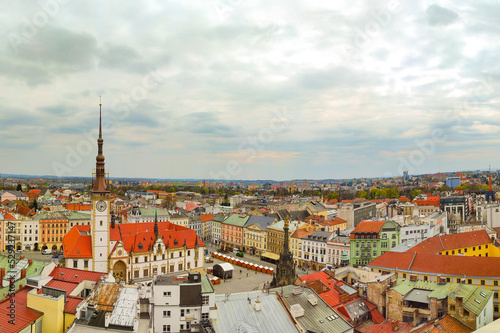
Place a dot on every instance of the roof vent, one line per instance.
(297, 290)
(312, 299)
(257, 305)
(297, 310)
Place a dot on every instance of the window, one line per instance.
(86, 264)
(483, 282)
(495, 283)
(452, 307)
(404, 275)
(426, 278)
(136, 260)
(466, 313)
(166, 314)
(145, 272)
(469, 281)
(204, 316)
(182, 312)
(166, 328)
(145, 258)
(167, 293)
(75, 263)
(136, 274)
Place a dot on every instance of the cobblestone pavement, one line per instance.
(247, 279)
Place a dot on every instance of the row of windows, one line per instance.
(155, 258)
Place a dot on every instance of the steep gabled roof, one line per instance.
(77, 243)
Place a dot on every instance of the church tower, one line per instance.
(285, 270)
(101, 213)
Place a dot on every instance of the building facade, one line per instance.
(370, 239)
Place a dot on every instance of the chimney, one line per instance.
(21, 257)
(30, 262)
(2, 274)
(23, 273)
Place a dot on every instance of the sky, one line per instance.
(239, 89)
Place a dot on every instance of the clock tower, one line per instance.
(101, 216)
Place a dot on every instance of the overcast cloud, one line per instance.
(250, 89)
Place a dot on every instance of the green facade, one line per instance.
(367, 246)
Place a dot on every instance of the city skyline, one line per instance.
(244, 91)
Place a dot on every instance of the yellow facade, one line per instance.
(485, 250)
(52, 308)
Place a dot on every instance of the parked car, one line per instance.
(240, 254)
(47, 251)
(55, 256)
(209, 259)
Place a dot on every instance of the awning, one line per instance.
(271, 255)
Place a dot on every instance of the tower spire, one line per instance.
(156, 224)
(100, 183)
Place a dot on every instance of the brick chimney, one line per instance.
(23, 273)
(30, 262)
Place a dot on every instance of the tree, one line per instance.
(416, 193)
(362, 194)
(19, 187)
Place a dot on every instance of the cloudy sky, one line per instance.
(245, 89)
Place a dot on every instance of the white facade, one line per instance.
(172, 313)
(100, 222)
(30, 234)
(414, 232)
(216, 232)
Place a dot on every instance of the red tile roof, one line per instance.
(75, 275)
(368, 227)
(330, 295)
(206, 217)
(60, 284)
(445, 325)
(71, 304)
(384, 327)
(437, 244)
(404, 199)
(78, 244)
(24, 315)
(439, 264)
(302, 232)
(335, 221)
(9, 217)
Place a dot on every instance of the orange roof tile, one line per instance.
(368, 227)
(439, 264)
(9, 217)
(445, 325)
(303, 232)
(136, 237)
(206, 217)
(404, 199)
(437, 244)
(77, 243)
(335, 221)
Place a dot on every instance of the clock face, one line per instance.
(101, 206)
